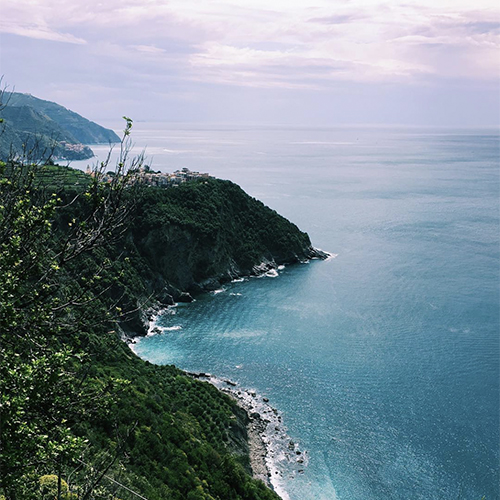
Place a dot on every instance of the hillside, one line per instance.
(192, 238)
(79, 410)
(46, 129)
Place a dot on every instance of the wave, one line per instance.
(153, 328)
(272, 273)
(158, 330)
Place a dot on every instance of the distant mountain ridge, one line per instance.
(46, 129)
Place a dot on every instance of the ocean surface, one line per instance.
(383, 361)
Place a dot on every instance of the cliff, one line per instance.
(194, 237)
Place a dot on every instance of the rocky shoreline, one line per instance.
(138, 323)
(270, 447)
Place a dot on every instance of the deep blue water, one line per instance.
(384, 360)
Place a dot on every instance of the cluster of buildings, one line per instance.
(167, 180)
(151, 178)
(76, 148)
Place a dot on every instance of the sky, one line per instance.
(279, 62)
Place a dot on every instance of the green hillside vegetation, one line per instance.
(218, 215)
(42, 129)
(191, 238)
(83, 130)
(81, 416)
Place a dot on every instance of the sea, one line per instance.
(383, 361)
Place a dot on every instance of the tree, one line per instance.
(44, 384)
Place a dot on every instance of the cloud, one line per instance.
(371, 40)
(335, 19)
(314, 68)
(294, 44)
(148, 49)
(39, 32)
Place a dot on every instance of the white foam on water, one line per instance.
(272, 273)
(154, 327)
(153, 324)
(132, 344)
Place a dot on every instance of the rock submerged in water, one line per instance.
(316, 253)
(185, 297)
(166, 299)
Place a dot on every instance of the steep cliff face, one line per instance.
(188, 239)
(196, 236)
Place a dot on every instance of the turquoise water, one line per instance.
(384, 360)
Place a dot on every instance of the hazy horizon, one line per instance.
(311, 63)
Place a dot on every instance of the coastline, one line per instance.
(142, 323)
(256, 427)
(271, 450)
(273, 456)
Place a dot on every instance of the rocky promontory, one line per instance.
(195, 237)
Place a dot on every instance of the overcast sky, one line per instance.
(311, 62)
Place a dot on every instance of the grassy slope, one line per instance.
(188, 442)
